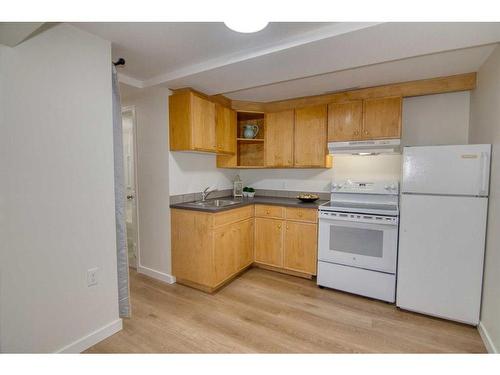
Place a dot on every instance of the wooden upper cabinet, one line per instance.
(278, 139)
(192, 122)
(225, 130)
(382, 118)
(345, 121)
(310, 137)
(203, 121)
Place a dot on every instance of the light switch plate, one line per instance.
(92, 276)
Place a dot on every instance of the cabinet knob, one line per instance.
(279, 226)
(366, 132)
(300, 214)
(356, 132)
(268, 212)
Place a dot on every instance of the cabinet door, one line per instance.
(382, 118)
(225, 252)
(310, 136)
(203, 124)
(344, 121)
(279, 139)
(269, 241)
(226, 130)
(301, 247)
(245, 241)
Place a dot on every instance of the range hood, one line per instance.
(372, 147)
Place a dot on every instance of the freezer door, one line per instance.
(441, 252)
(448, 170)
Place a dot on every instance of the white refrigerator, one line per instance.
(443, 210)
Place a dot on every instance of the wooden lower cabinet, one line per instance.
(225, 239)
(300, 247)
(245, 255)
(269, 241)
(289, 244)
(233, 249)
(210, 249)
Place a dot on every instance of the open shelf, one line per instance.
(250, 151)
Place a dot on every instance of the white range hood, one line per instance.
(372, 147)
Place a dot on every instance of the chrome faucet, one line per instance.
(205, 193)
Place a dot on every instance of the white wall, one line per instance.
(441, 119)
(427, 120)
(381, 167)
(151, 108)
(193, 172)
(57, 126)
(485, 128)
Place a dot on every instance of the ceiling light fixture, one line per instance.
(246, 26)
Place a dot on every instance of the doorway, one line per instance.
(130, 169)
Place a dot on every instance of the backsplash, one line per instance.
(291, 182)
(376, 168)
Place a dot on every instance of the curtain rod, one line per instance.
(120, 61)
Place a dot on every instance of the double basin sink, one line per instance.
(213, 203)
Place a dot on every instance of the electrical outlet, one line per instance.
(92, 274)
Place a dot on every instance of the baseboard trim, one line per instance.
(93, 338)
(165, 277)
(490, 347)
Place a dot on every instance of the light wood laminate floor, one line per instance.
(267, 312)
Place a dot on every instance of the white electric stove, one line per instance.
(358, 238)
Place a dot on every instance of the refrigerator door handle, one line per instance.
(484, 174)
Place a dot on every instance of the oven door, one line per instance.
(359, 244)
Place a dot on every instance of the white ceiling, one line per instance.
(164, 48)
(415, 68)
(293, 59)
(13, 33)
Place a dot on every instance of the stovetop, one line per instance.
(377, 198)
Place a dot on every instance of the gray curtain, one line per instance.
(121, 228)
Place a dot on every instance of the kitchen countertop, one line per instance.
(276, 201)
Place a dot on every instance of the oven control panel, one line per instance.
(367, 187)
(362, 218)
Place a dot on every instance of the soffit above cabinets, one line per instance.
(412, 69)
(293, 59)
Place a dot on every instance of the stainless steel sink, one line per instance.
(214, 203)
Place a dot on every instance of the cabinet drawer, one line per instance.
(302, 214)
(233, 215)
(276, 212)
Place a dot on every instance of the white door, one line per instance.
(441, 252)
(448, 170)
(128, 124)
(364, 245)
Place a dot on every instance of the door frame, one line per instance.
(131, 108)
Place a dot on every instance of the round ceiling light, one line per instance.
(246, 26)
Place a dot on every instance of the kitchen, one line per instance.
(204, 255)
(360, 258)
(298, 189)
